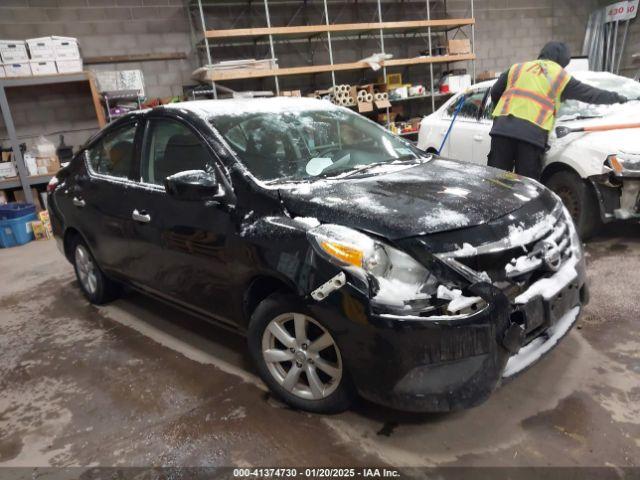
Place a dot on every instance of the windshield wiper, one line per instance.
(388, 161)
(580, 117)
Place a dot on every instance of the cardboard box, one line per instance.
(41, 48)
(7, 170)
(111, 81)
(47, 165)
(19, 196)
(291, 93)
(487, 75)
(394, 80)
(13, 51)
(43, 67)
(459, 46)
(65, 48)
(17, 69)
(69, 66)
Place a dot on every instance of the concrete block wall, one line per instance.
(510, 31)
(507, 31)
(103, 28)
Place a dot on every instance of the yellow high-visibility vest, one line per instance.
(533, 92)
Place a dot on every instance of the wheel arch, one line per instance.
(259, 288)
(70, 234)
(554, 168)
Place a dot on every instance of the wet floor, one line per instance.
(136, 383)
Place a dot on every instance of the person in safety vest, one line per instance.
(527, 98)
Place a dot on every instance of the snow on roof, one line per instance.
(241, 106)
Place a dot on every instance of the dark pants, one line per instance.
(507, 153)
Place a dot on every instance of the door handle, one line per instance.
(478, 138)
(140, 217)
(79, 202)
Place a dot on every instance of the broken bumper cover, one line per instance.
(618, 195)
(424, 364)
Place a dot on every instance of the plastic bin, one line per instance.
(16, 231)
(16, 209)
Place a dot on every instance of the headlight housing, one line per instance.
(576, 243)
(624, 162)
(401, 283)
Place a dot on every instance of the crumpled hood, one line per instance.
(435, 196)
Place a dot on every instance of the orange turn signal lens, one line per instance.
(344, 253)
(615, 164)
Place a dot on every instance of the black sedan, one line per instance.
(353, 262)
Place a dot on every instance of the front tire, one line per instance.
(95, 286)
(580, 200)
(297, 357)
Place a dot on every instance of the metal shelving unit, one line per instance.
(24, 179)
(112, 98)
(326, 32)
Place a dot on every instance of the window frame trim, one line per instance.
(143, 150)
(132, 170)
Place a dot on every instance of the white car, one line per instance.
(596, 174)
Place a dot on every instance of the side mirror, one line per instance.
(194, 185)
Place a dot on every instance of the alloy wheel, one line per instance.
(302, 356)
(86, 270)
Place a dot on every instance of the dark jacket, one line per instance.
(513, 127)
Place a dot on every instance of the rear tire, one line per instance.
(580, 199)
(297, 357)
(95, 286)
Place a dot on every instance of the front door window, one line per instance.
(171, 148)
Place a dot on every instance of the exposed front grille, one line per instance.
(524, 264)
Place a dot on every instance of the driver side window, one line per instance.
(471, 106)
(171, 147)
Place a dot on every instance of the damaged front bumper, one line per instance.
(449, 362)
(618, 195)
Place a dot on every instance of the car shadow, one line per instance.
(196, 332)
(617, 231)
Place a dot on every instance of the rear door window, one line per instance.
(114, 153)
(171, 147)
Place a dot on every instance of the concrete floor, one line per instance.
(136, 383)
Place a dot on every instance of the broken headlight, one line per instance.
(622, 163)
(402, 282)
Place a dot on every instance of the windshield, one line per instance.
(606, 81)
(302, 145)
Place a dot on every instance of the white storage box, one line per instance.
(43, 67)
(13, 51)
(41, 48)
(112, 81)
(69, 66)
(7, 169)
(17, 69)
(459, 83)
(65, 48)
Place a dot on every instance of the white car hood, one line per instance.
(608, 142)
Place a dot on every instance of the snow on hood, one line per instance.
(612, 141)
(432, 197)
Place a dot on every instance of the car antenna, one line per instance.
(455, 115)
